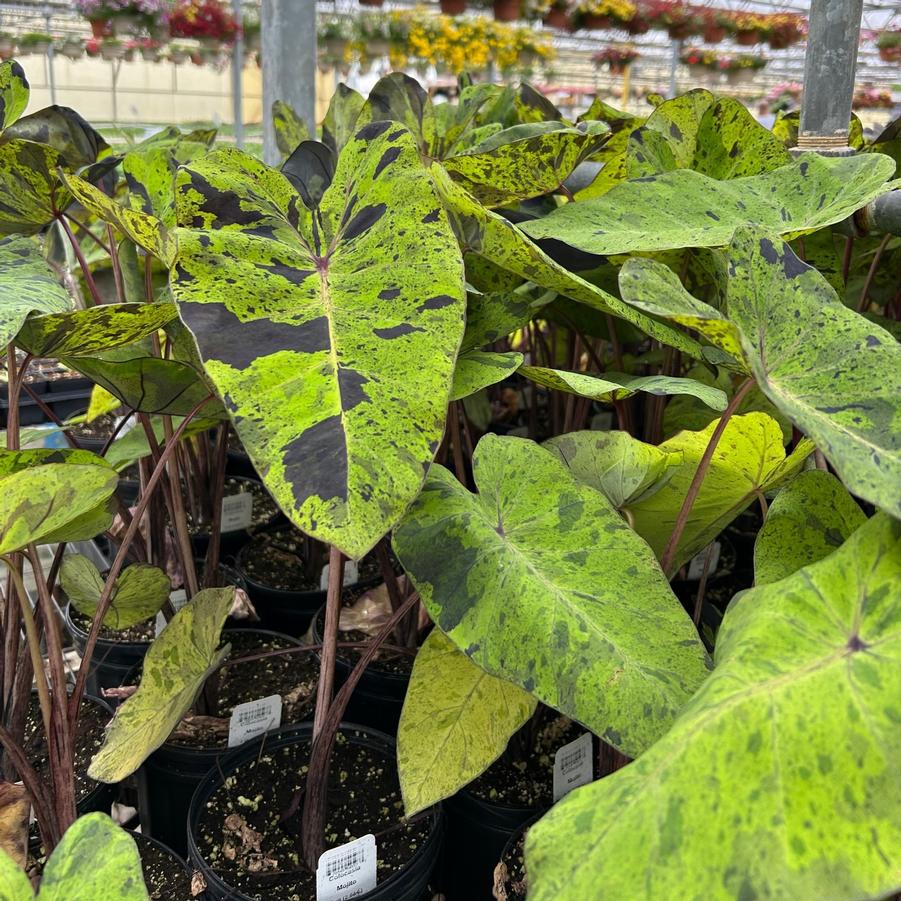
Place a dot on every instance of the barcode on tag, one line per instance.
(347, 871)
(696, 567)
(351, 574)
(573, 766)
(177, 599)
(237, 511)
(254, 718)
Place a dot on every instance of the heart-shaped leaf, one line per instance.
(31, 194)
(492, 316)
(456, 722)
(478, 369)
(614, 463)
(340, 122)
(14, 92)
(749, 460)
(539, 579)
(310, 168)
(684, 208)
(150, 178)
(139, 592)
(178, 662)
(810, 517)
(833, 373)
(335, 360)
(290, 129)
(65, 131)
(612, 386)
(761, 787)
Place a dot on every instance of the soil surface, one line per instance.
(99, 429)
(249, 830)
(526, 779)
(510, 882)
(264, 508)
(143, 631)
(164, 874)
(293, 676)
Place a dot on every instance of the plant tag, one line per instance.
(351, 575)
(602, 422)
(237, 512)
(177, 599)
(347, 871)
(573, 766)
(254, 718)
(696, 566)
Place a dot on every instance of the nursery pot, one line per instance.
(506, 10)
(112, 661)
(557, 18)
(679, 32)
(101, 28)
(378, 699)
(638, 26)
(713, 34)
(376, 3)
(170, 775)
(594, 22)
(507, 866)
(747, 38)
(453, 7)
(406, 884)
(166, 885)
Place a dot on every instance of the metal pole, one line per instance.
(673, 64)
(829, 67)
(115, 67)
(238, 76)
(288, 32)
(51, 75)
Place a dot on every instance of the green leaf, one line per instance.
(14, 884)
(340, 122)
(477, 369)
(808, 520)
(28, 285)
(399, 98)
(335, 358)
(833, 373)
(612, 386)
(614, 463)
(14, 92)
(456, 722)
(41, 503)
(63, 130)
(139, 592)
(492, 316)
(95, 859)
(684, 208)
(30, 192)
(147, 231)
(178, 662)
(101, 403)
(749, 460)
(85, 332)
(133, 445)
(310, 169)
(17, 460)
(654, 288)
(507, 167)
(290, 129)
(540, 581)
(150, 178)
(483, 232)
(780, 777)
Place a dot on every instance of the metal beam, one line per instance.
(288, 34)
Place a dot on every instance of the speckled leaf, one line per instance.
(833, 373)
(340, 122)
(41, 502)
(748, 461)
(61, 128)
(16, 461)
(477, 369)
(30, 191)
(810, 517)
(612, 157)
(14, 884)
(95, 859)
(532, 106)
(654, 288)
(456, 722)
(147, 231)
(517, 164)
(539, 579)
(150, 178)
(780, 777)
(85, 332)
(399, 98)
(15, 806)
(178, 662)
(27, 285)
(490, 317)
(617, 386)
(684, 208)
(290, 129)
(614, 463)
(14, 92)
(483, 232)
(335, 359)
(139, 592)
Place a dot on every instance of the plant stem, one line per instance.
(329, 639)
(117, 266)
(702, 586)
(88, 232)
(846, 259)
(82, 262)
(177, 515)
(453, 423)
(669, 553)
(107, 594)
(871, 273)
(36, 789)
(212, 552)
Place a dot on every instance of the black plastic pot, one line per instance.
(169, 777)
(103, 794)
(409, 884)
(378, 699)
(141, 838)
(112, 661)
(477, 833)
(514, 838)
(63, 403)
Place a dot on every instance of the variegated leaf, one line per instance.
(477, 369)
(14, 92)
(290, 129)
(31, 195)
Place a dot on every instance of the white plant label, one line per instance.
(254, 718)
(237, 512)
(351, 574)
(177, 599)
(573, 766)
(696, 566)
(347, 871)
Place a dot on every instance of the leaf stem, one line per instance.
(82, 262)
(871, 273)
(329, 639)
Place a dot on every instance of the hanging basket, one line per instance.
(713, 34)
(453, 7)
(111, 52)
(594, 22)
(747, 38)
(638, 26)
(680, 31)
(557, 18)
(890, 54)
(506, 10)
(102, 28)
(376, 3)
(740, 76)
(70, 49)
